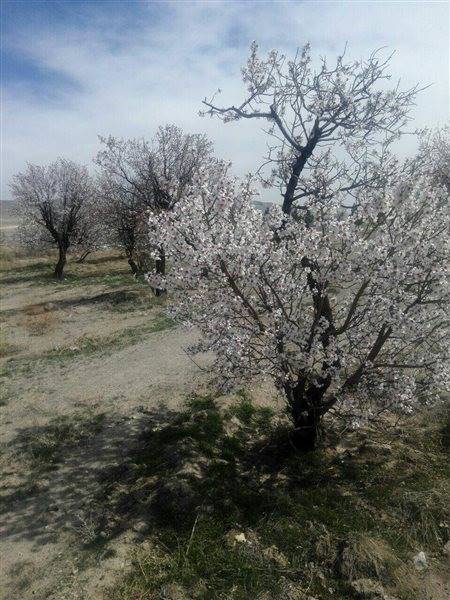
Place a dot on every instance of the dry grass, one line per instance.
(6, 347)
(38, 322)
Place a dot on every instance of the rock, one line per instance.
(234, 537)
(368, 589)
(446, 549)
(420, 561)
(173, 591)
(276, 556)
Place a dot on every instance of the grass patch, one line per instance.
(43, 446)
(105, 268)
(87, 346)
(7, 348)
(235, 513)
(39, 324)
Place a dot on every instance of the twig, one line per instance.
(190, 539)
(195, 362)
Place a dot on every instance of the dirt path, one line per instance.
(124, 375)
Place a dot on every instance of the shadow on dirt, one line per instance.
(65, 474)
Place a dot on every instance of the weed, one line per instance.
(7, 348)
(39, 324)
(312, 522)
(42, 446)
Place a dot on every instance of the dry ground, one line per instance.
(91, 370)
(95, 344)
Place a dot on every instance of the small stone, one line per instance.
(276, 556)
(173, 591)
(367, 588)
(446, 549)
(420, 561)
(234, 537)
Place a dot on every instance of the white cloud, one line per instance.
(131, 79)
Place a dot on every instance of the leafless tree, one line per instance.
(54, 204)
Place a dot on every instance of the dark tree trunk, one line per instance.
(133, 266)
(58, 273)
(160, 267)
(297, 168)
(83, 257)
(305, 415)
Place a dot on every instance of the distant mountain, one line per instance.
(262, 206)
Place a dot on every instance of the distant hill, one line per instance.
(262, 206)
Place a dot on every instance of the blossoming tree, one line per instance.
(54, 204)
(345, 314)
(330, 128)
(138, 177)
(345, 310)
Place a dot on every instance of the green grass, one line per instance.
(329, 517)
(106, 344)
(43, 446)
(100, 269)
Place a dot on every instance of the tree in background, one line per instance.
(138, 178)
(126, 221)
(54, 204)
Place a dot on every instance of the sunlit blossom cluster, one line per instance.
(252, 282)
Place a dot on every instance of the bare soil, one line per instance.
(41, 555)
(86, 365)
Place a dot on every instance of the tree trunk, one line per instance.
(133, 266)
(305, 415)
(160, 267)
(83, 256)
(306, 429)
(58, 273)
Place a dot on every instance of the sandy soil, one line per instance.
(43, 515)
(41, 550)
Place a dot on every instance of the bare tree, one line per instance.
(140, 177)
(53, 206)
(331, 127)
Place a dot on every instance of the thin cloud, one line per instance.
(100, 69)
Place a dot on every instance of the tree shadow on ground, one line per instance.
(64, 471)
(199, 482)
(134, 299)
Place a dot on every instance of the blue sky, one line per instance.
(76, 69)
